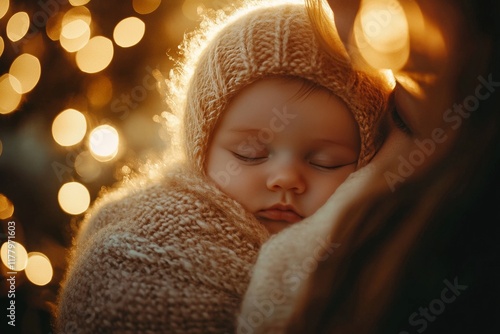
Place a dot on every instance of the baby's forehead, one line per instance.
(298, 87)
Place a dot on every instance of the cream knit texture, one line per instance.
(274, 41)
(172, 257)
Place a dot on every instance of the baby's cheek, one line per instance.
(325, 188)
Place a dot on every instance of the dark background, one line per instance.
(33, 166)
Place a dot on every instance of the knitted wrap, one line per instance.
(273, 41)
(172, 257)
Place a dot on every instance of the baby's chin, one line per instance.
(274, 226)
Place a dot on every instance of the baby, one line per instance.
(274, 120)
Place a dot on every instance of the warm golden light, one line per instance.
(74, 29)
(87, 167)
(14, 255)
(2, 45)
(390, 78)
(385, 28)
(69, 127)
(145, 6)
(54, 26)
(104, 142)
(39, 269)
(27, 70)
(75, 35)
(6, 206)
(100, 91)
(4, 7)
(78, 2)
(381, 33)
(77, 13)
(18, 26)
(128, 32)
(96, 55)
(9, 96)
(1, 151)
(73, 198)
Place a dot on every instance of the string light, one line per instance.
(381, 33)
(26, 70)
(128, 32)
(104, 143)
(74, 198)
(96, 55)
(14, 255)
(39, 269)
(18, 26)
(78, 2)
(9, 96)
(2, 45)
(6, 206)
(54, 26)
(4, 7)
(145, 6)
(69, 127)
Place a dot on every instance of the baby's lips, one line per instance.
(288, 216)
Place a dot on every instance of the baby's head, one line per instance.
(274, 120)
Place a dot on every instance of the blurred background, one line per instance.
(79, 111)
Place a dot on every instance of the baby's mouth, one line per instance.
(279, 212)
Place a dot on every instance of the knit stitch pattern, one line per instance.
(274, 41)
(174, 257)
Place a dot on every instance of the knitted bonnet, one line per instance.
(272, 41)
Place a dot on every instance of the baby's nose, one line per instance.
(286, 177)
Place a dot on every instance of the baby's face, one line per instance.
(282, 154)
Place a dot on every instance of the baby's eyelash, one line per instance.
(246, 158)
(398, 121)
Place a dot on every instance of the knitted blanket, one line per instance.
(281, 274)
(173, 257)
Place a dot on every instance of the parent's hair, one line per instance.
(401, 250)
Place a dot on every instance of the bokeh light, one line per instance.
(385, 28)
(75, 28)
(145, 6)
(9, 96)
(14, 255)
(39, 269)
(27, 70)
(69, 127)
(6, 206)
(77, 13)
(381, 33)
(74, 35)
(4, 7)
(100, 91)
(128, 32)
(87, 167)
(74, 198)
(104, 142)
(78, 2)
(2, 45)
(18, 26)
(53, 27)
(96, 55)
